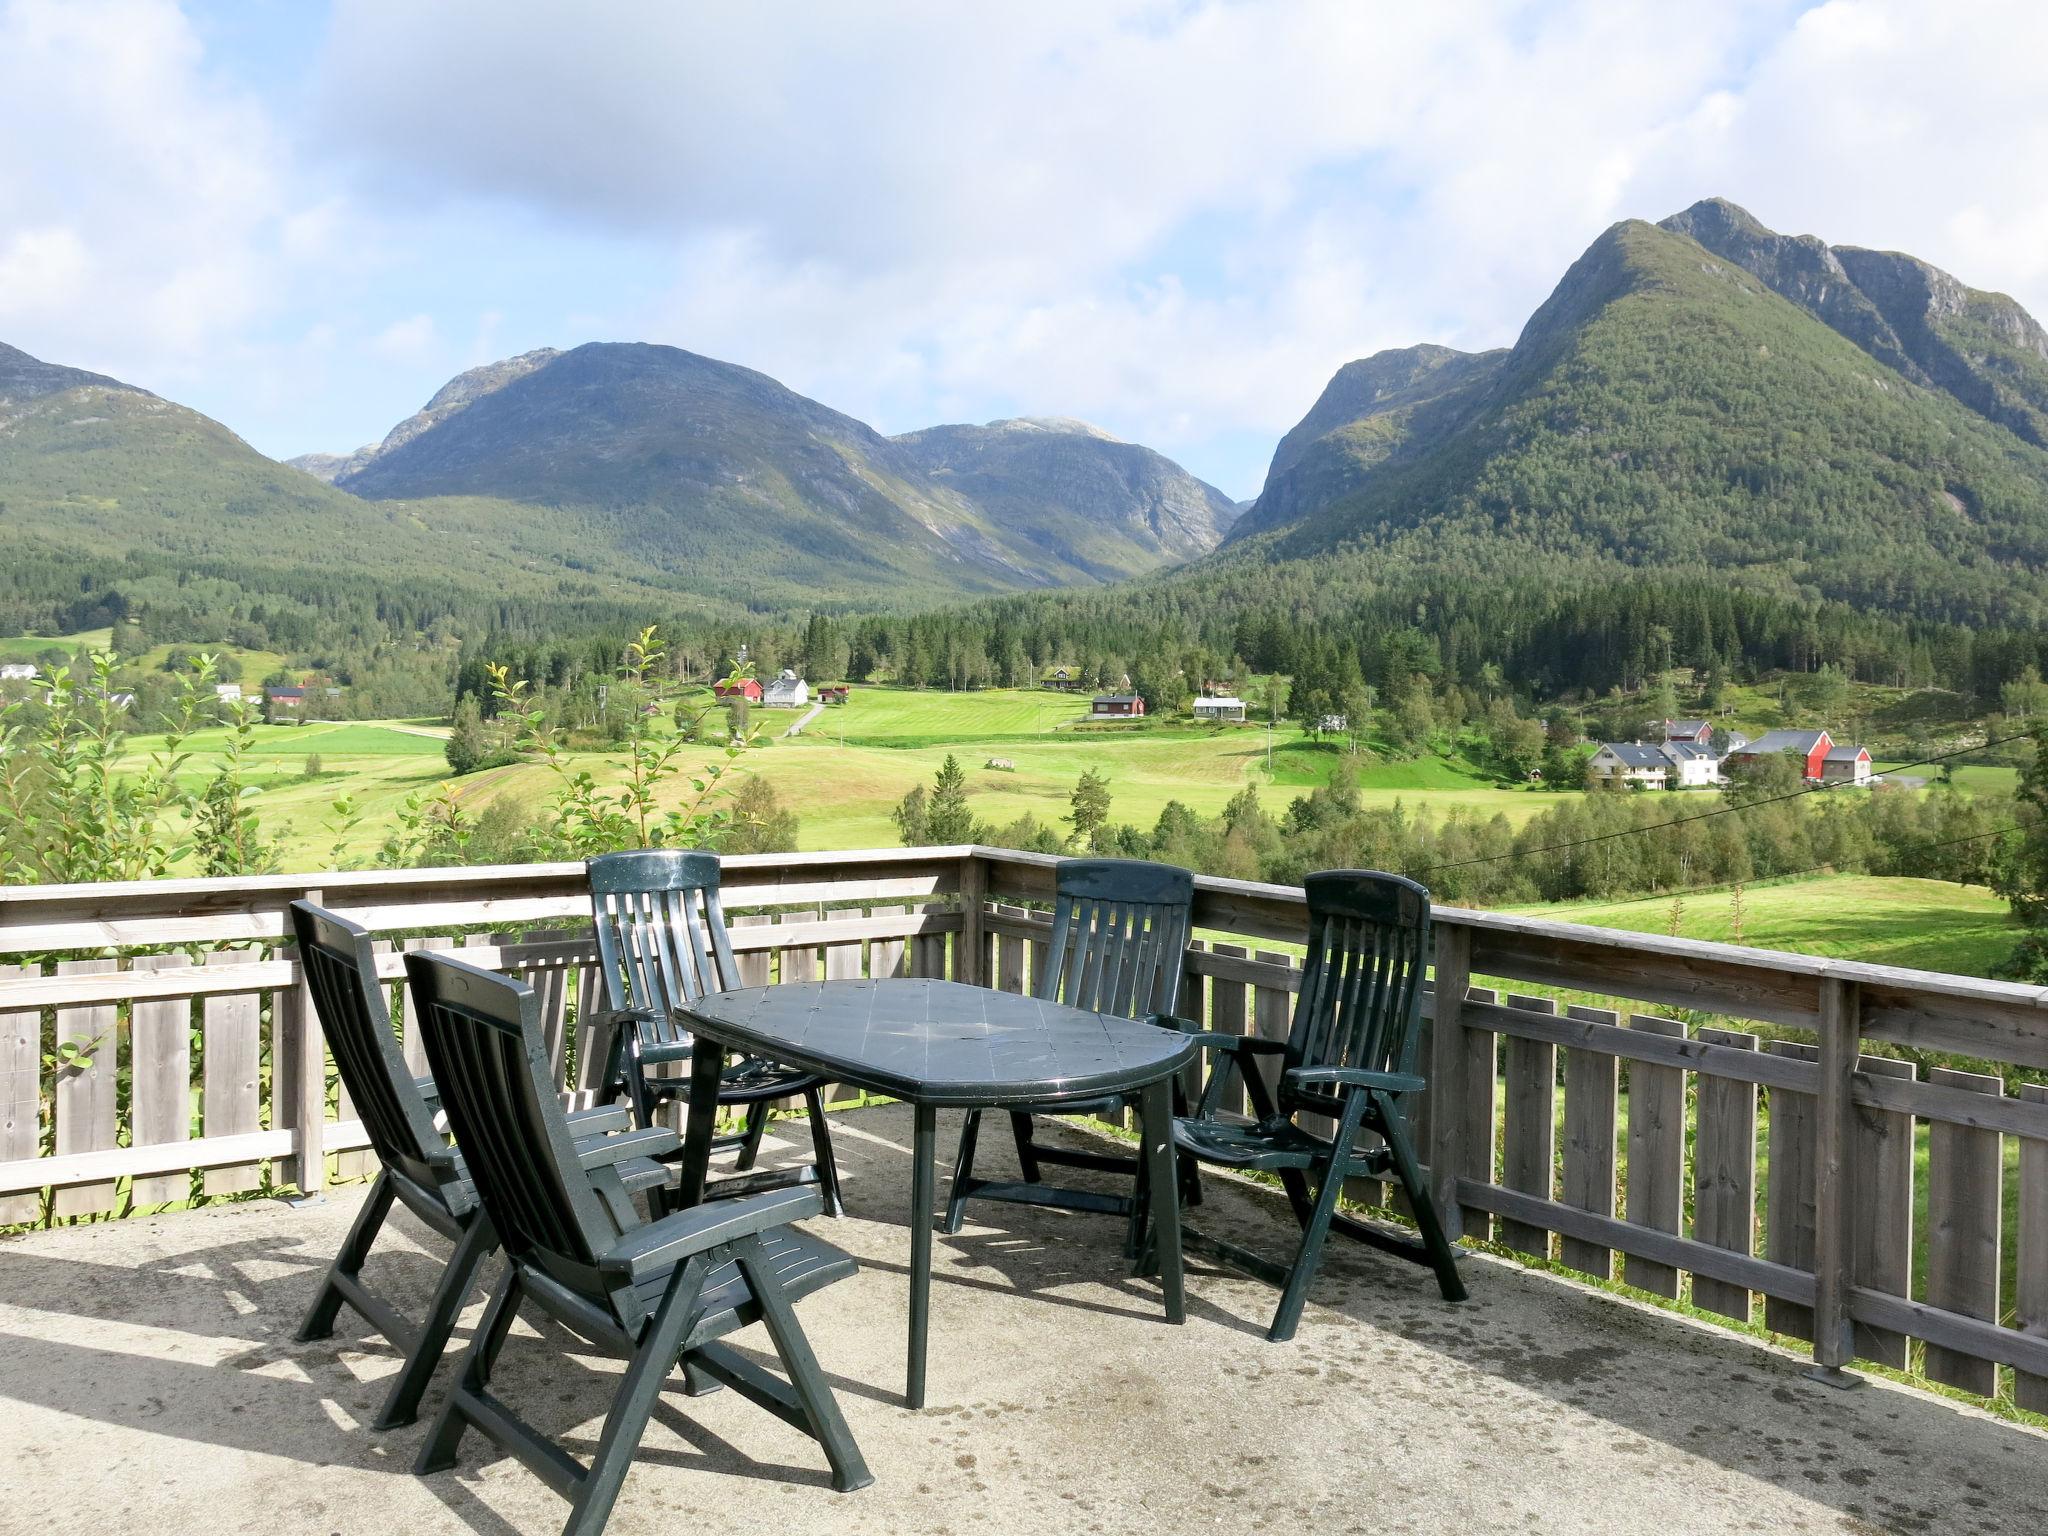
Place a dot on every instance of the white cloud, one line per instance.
(1176, 217)
(142, 189)
(415, 339)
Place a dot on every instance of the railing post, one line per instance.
(305, 1065)
(1453, 976)
(1834, 1183)
(969, 965)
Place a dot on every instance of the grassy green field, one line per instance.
(26, 647)
(1927, 924)
(851, 766)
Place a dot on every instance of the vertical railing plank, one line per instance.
(2030, 1302)
(550, 982)
(1270, 1009)
(1656, 1154)
(754, 966)
(1009, 975)
(21, 1095)
(160, 1078)
(1228, 1016)
(1837, 1181)
(1591, 1095)
(1881, 1231)
(1724, 1174)
(1450, 979)
(1480, 1112)
(85, 1096)
(1964, 1171)
(842, 963)
(970, 957)
(415, 1042)
(298, 1076)
(1529, 1148)
(886, 957)
(928, 952)
(231, 1097)
(802, 962)
(1791, 1215)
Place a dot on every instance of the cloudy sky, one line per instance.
(1172, 217)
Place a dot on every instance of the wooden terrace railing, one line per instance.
(163, 1031)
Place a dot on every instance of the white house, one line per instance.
(17, 671)
(1333, 724)
(1682, 763)
(1632, 763)
(787, 692)
(1221, 707)
(1692, 765)
(228, 693)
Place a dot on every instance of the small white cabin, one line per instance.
(1221, 707)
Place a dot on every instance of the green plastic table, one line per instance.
(941, 1044)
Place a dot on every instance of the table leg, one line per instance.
(1157, 1108)
(923, 1181)
(707, 1071)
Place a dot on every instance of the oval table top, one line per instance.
(941, 1042)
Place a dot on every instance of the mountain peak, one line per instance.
(24, 378)
(1069, 426)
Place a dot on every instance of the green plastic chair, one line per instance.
(1349, 1056)
(658, 1294)
(661, 942)
(1119, 937)
(417, 1167)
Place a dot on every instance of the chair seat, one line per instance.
(1285, 1145)
(803, 1264)
(638, 1174)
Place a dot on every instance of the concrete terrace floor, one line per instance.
(149, 1380)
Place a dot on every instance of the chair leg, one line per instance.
(963, 1172)
(627, 1421)
(821, 1151)
(1442, 1257)
(320, 1317)
(827, 1425)
(1296, 1184)
(1027, 1156)
(438, 1454)
(757, 1123)
(1317, 1228)
(402, 1404)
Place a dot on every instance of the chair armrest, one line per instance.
(606, 1151)
(599, 1120)
(662, 1244)
(1357, 1077)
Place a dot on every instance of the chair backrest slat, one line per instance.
(1119, 935)
(1360, 1003)
(340, 967)
(661, 936)
(490, 1059)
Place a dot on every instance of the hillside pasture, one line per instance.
(1925, 924)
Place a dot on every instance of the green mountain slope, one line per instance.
(113, 500)
(719, 478)
(1668, 409)
(1085, 499)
